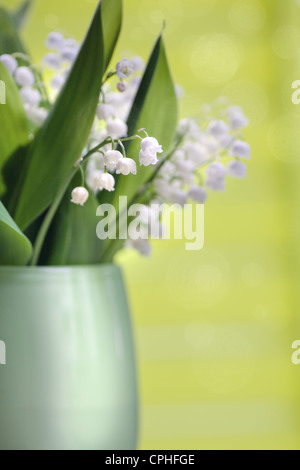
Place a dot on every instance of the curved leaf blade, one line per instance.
(112, 22)
(72, 239)
(10, 41)
(13, 122)
(20, 14)
(15, 248)
(61, 140)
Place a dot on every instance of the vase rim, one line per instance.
(63, 268)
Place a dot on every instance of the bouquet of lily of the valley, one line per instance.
(79, 134)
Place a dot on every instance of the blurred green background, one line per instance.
(214, 328)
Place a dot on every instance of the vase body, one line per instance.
(69, 379)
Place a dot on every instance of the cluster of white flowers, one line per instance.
(147, 221)
(27, 83)
(107, 162)
(210, 149)
(206, 150)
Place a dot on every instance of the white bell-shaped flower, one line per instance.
(125, 166)
(138, 63)
(151, 145)
(168, 170)
(237, 169)
(185, 167)
(54, 41)
(149, 151)
(240, 149)
(24, 76)
(92, 179)
(124, 68)
(198, 194)
(105, 111)
(111, 157)
(217, 128)
(52, 61)
(216, 176)
(162, 188)
(147, 159)
(58, 82)
(116, 128)
(69, 53)
(37, 115)
(30, 96)
(10, 62)
(188, 127)
(177, 194)
(106, 181)
(79, 196)
(237, 118)
(196, 152)
(211, 144)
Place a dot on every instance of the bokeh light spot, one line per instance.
(153, 14)
(51, 21)
(284, 138)
(247, 16)
(251, 97)
(285, 42)
(215, 59)
(253, 274)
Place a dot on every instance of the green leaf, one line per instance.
(112, 22)
(72, 239)
(13, 122)
(15, 248)
(60, 142)
(20, 14)
(155, 108)
(10, 41)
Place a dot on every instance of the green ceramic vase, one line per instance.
(69, 380)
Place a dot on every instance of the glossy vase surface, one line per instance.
(67, 365)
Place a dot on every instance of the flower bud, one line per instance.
(198, 194)
(54, 41)
(237, 169)
(124, 68)
(30, 96)
(24, 76)
(79, 196)
(10, 62)
(240, 149)
(116, 128)
(122, 87)
(52, 61)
